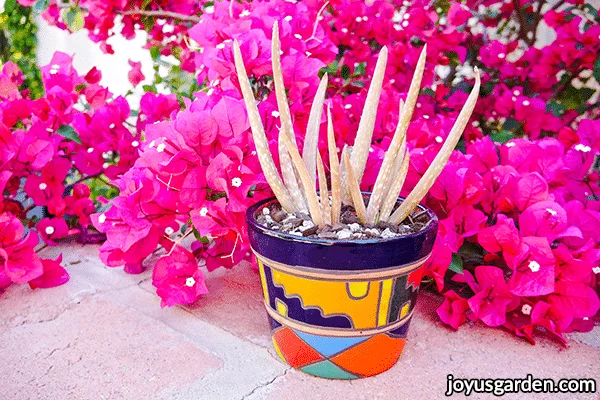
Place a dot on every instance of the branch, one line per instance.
(159, 14)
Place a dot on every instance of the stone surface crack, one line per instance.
(264, 385)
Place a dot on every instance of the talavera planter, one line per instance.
(339, 309)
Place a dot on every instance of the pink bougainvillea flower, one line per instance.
(52, 229)
(54, 274)
(493, 299)
(533, 268)
(135, 75)
(453, 310)
(17, 255)
(177, 278)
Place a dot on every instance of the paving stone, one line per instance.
(99, 350)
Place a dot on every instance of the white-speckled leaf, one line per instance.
(310, 192)
(311, 140)
(385, 173)
(287, 127)
(323, 191)
(400, 171)
(440, 160)
(258, 134)
(354, 187)
(334, 167)
(364, 135)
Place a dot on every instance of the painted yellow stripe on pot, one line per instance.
(263, 280)
(281, 307)
(358, 290)
(404, 311)
(384, 305)
(278, 350)
(337, 332)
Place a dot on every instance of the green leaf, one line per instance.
(359, 70)
(501, 136)
(573, 98)
(456, 265)
(556, 108)
(511, 124)
(597, 69)
(40, 6)
(345, 72)
(68, 132)
(73, 17)
(590, 9)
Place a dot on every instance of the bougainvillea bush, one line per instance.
(519, 239)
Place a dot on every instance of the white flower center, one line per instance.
(298, 36)
(111, 126)
(501, 55)
(275, 114)
(49, 230)
(102, 218)
(439, 139)
(551, 211)
(534, 266)
(516, 92)
(152, 144)
(161, 147)
(90, 150)
(203, 211)
(526, 103)
(135, 143)
(189, 282)
(344, 30)
(244, 13)
(236, 182)
(169, 230)
(220, 46)
(358, 19)
(348, 106)
(596, 270)
(510, 144)
(583, 148)
(526, 309)
(43, 186)
(288, 18)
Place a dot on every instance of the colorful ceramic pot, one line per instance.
(339, 309)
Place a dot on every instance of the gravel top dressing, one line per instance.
(349, 227)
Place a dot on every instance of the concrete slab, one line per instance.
(104, 335)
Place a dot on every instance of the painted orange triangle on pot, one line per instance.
(296, 352)
(372, 357)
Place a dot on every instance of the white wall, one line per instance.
(114, 67)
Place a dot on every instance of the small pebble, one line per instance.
(310, 231)
(279, 216)
(308, 224)
(266, 211)
(372, 232)
(337, 227)
(344, 234)
(387, 233)
(354, 227)
(327, 235)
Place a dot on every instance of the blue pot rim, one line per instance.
(253, 224)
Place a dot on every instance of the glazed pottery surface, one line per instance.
(337, 308)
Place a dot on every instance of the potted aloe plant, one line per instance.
(340, 269)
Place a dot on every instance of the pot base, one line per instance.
(338, 357)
